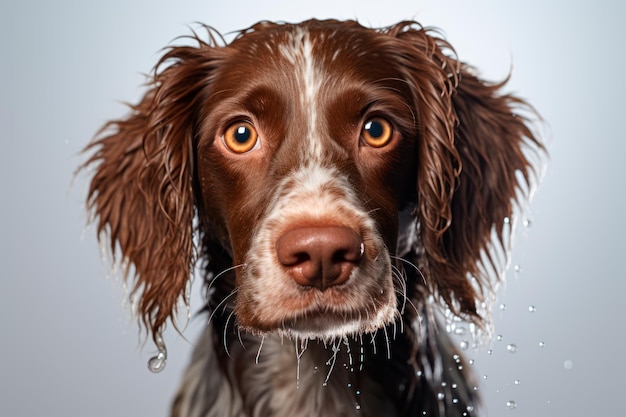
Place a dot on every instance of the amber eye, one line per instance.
(240, 137)
(377, 132)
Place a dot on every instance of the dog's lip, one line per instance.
(339, 311)
(320, 320)
(327, 324)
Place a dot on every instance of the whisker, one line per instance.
(374, 210)
(258, 353)
(400, 277)
(403, 282)
(411, 264)
(239, 337)
(225, 338)
(216, 277)
(387, 342)
(217, 307)
(413, 306)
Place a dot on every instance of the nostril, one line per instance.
(352, 252)
(319, 256)
(290, 258)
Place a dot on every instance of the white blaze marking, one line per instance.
(300, 54)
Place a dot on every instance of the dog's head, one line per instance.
(314, 157)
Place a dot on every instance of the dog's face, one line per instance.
(306, 156)
(297, 147)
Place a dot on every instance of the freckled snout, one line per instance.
(319, 257)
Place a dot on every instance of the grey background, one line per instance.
(69, 348)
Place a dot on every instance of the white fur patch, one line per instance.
(299, 52)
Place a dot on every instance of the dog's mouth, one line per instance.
(323, 325)
(320, 315)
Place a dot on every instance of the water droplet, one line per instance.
(527, 223)
(456, 358)
(358, 392)
(484, 377)
(464, 345)
(349, 385)
(471, 361)
(455, 401)
(568, 364)
(516, 382)
(517, 268)
(470, 408)
(511, 405)
(511, 348)
(315, 369)
(499, 338)
(460, 331)
(532, 309)
(441, 396)
(507, 220)
(444, 384)
(454, 386)
(502, 307)
(542, 344)
(158, 362)
(357, 406)
(490, 352)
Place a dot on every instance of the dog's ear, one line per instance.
(476, 152)
(141, 192)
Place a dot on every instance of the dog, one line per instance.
(337, 186)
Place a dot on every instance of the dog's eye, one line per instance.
(377, 132)
(241, 137)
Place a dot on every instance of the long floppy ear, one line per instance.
(141, 192)
(474, 145)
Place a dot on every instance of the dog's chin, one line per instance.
(326, 326)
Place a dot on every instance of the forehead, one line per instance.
(335, 51)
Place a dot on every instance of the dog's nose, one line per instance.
(319, 257)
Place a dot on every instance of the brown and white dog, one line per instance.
(336, 183)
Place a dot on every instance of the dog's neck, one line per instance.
(278, 377)
(312, 378)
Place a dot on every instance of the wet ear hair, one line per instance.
(141, 193)
(477, 156)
